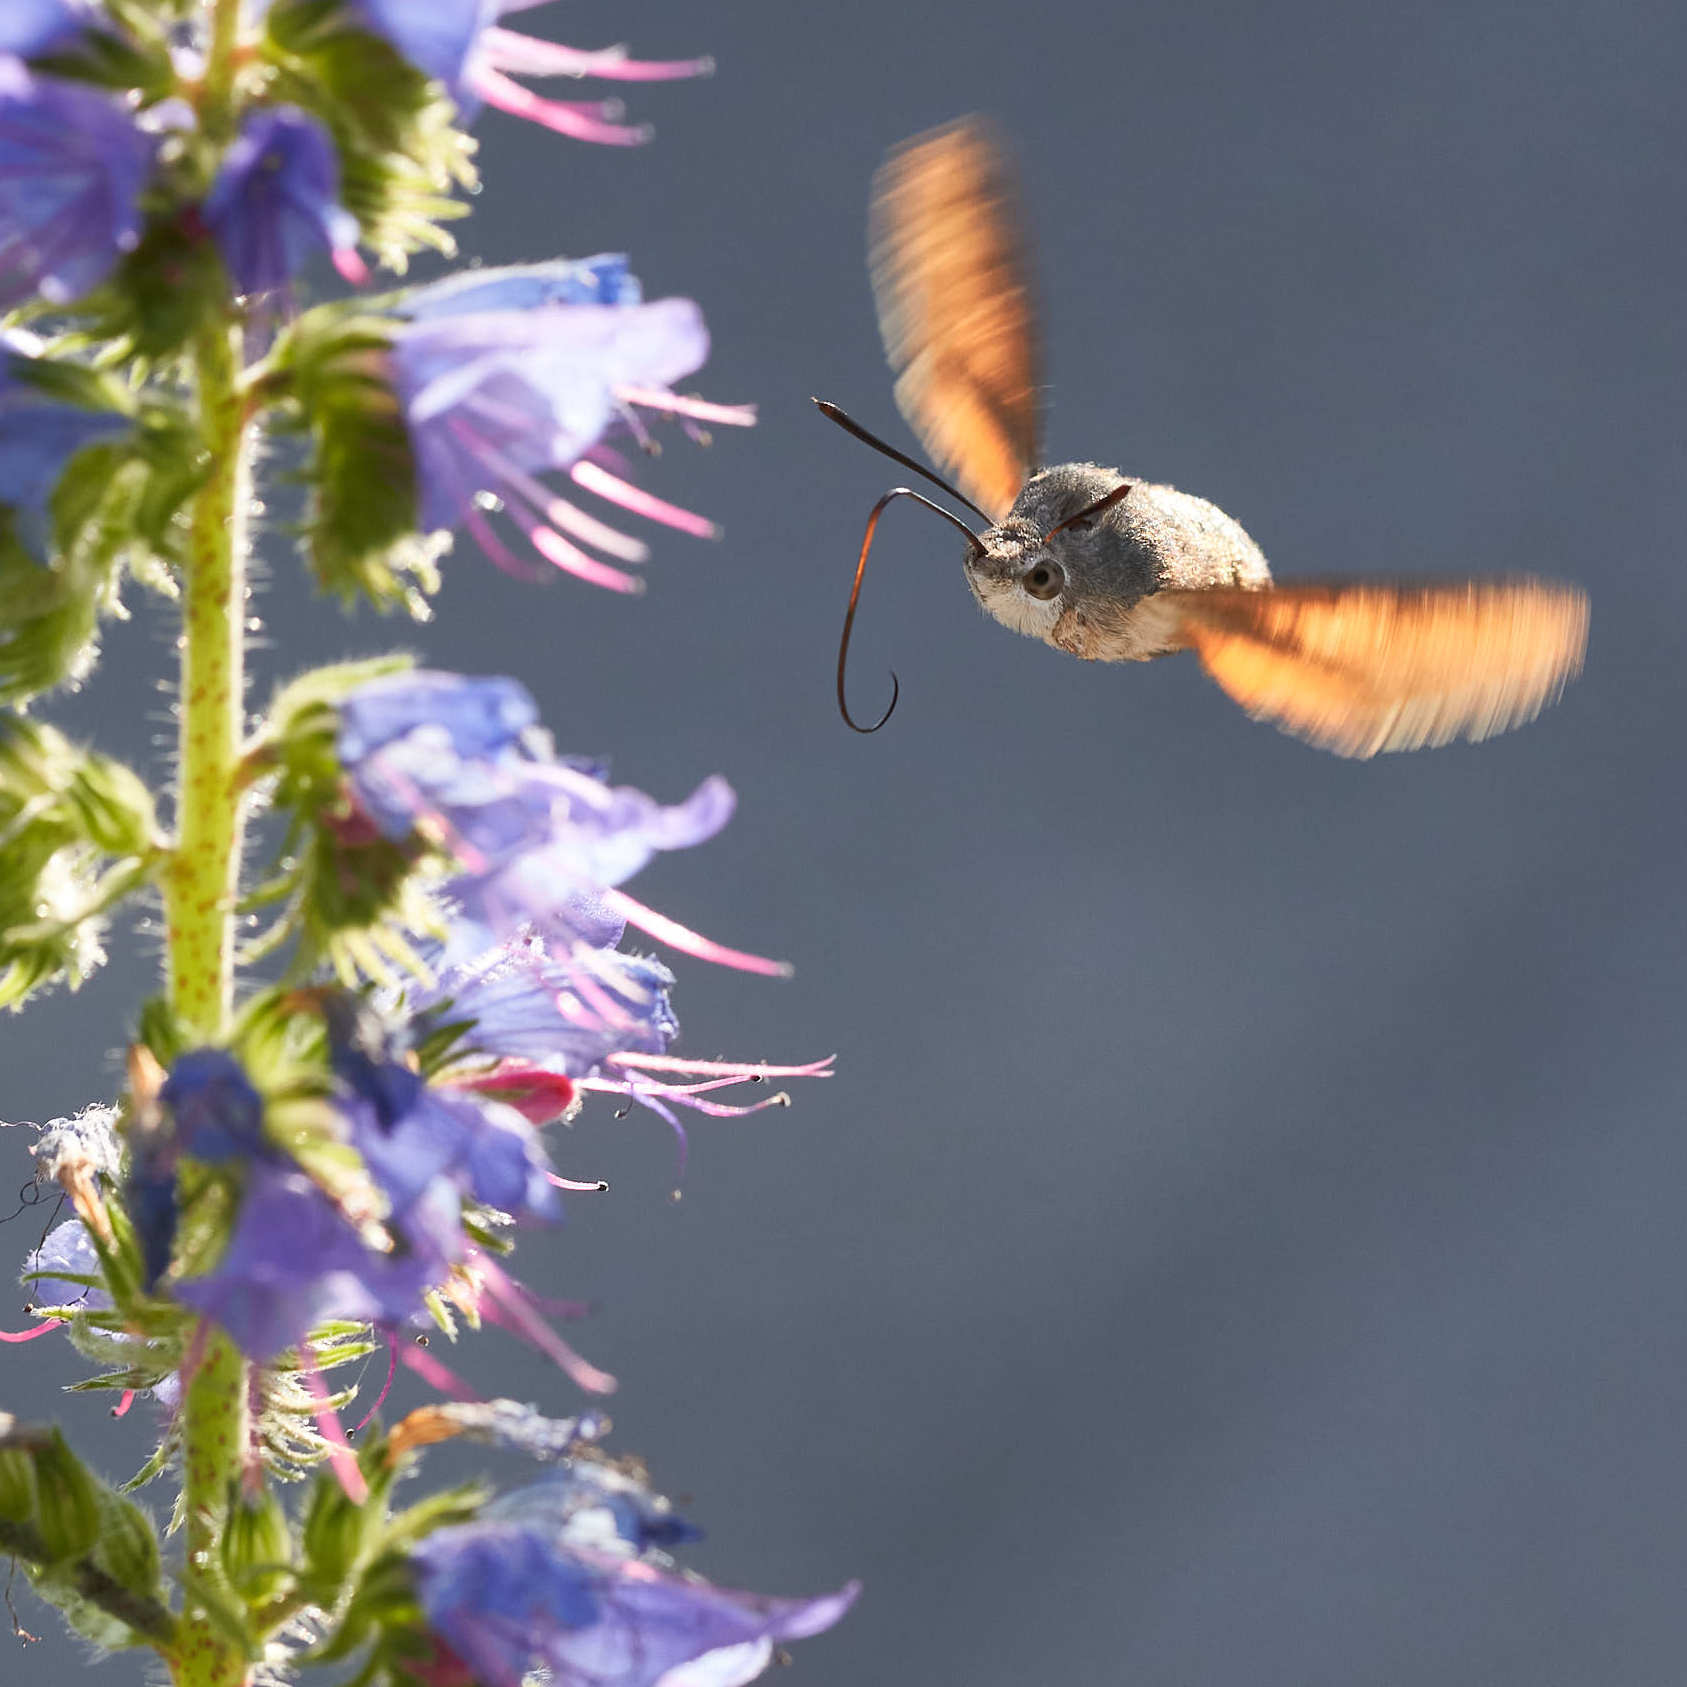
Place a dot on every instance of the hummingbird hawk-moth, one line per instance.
(1114, 569)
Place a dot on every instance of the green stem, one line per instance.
(203, 880)
(200, 887)
(214, 1436)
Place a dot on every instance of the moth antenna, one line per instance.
(855, 593)
(1106, 501)
(849, 425)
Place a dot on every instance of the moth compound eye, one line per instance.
(1047, 580)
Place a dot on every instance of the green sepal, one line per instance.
(77, 834)
(18, 1494)
(403, 160)
(131, 58)
(115, 507)
(67, 1509)
(348, 892)
(330, 373)
(258, 1556)
(160, 294)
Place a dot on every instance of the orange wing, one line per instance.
(949, 277)
(1363, 668)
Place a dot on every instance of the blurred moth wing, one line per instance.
(1363, 668)
(954, 302)
(1358, 668)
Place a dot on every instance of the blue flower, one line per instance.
(510, 373)
(436, 38)
(72, 166)
(414, 1137)
(293, 1262)
(38, 438)
(217, 1113)
(459, 43)
(67, 1253)
(566, 1575)
(526, 1006)
(603, 280)
(275, 202)
(29, 28)
(541, 843)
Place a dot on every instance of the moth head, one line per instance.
(1066, 541)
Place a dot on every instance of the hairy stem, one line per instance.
(203, 881)
(200, 887)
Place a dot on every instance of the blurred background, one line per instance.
(1242, 1243)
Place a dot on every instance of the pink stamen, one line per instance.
(581, 121)
(699, 409)
(555, 510)
(594, 478)
(40, 1329)
(351, 267)
(506, 1304)
(386, 1387)
(571, 559)
(124, 1402)
(821, 1068)
(434, 1373)
(686, 1095)
(342, 1461)
(495, 548)
(528, 56)
(575, 1187)
(690, 942)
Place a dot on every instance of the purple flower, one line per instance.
(510, 373)
(29, 28)
(72, 166)
(413, 1137)
(276, 201)
(217, 1113)
(570, 1018)
(38, 438)
(459, 43)
(67, 1253)
(564, 1575)
(293, 1262)
(541, 842)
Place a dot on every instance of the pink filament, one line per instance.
(386, 1387)
(690, 942)
(554, 509)
(725, 1068)
(528, 56)
(571, 559)
(575, 1187)
(351, 267)
(435, 1374)
(565, 117)
(29, 1335)
(506, 1304)
(124, 1402)
(341, 1459)
(699, 409)
(599, 480)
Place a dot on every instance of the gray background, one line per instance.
(1242, 1243)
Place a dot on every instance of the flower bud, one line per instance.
(68, 1509)
(128, 1545)
(17, 1486)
